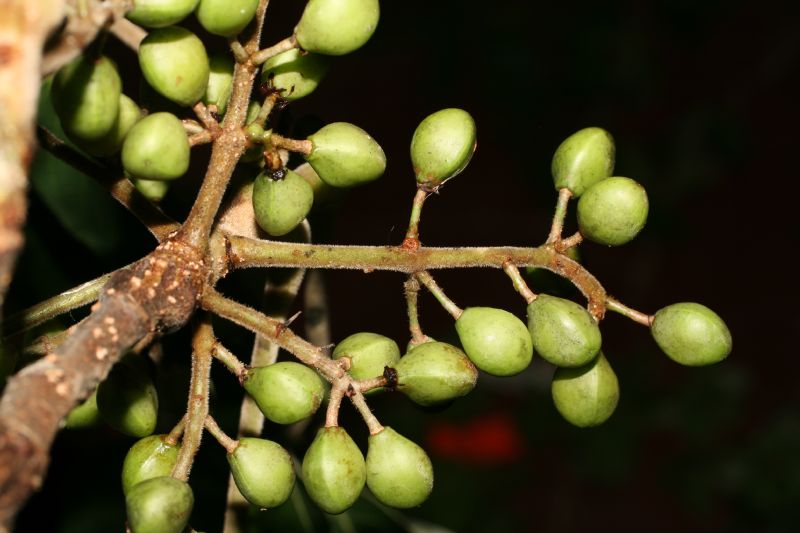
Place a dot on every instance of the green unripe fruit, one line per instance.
(563, 332)
(127, 399)
(129, 114)
(586, 396)
(294, 73)
(263, 472)
(613, 211)
(149, 458)
(160, 13)
(220, 82)
(344, 155)
(153, 190)
(226, 17)
(285, 392)
(442, 146)
(159, 505)
(337, 27)
(399, 473)
(369, 354)
(156, 148)
(435, 372)
(174, 63)
(495, 340)
(84, 415)
(691, 334)
(583, 159)
(334, 471)
(85, 95)
(281, 205)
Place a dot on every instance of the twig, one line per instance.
(128, 33)
(412, 234)
(573, 240)
(202, 345)
(519, 283)
(612, 304)
(228, 443)
(449, 305)
(282, 46)
(175, 433)
(360, 403)
(334, 403)
(557, 227)
(293, 145)
(227, 358)
(411, 289)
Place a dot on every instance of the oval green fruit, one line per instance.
(344, 155)
(150, 457)
(337, 27)
(612, 211)
(160, 13)
(563, 332)
(583, 159)
(399, 473)
(691, 334)
(156, 148)
(86, 94)
(174, 62)
(84, 415)
(294, 73)
(435, 372)
(280, 205)
(286, 392)
(159, 505)
(263, 472)
(220, 82)
(586, 396)
(369, 354)
(127, 399)
(495, 340)
(153, 190)
(129, 114)
(225, 17)
(334, 471)
(442, 146)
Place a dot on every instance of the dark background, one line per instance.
(701, 98)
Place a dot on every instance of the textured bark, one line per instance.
(157, 294)
(24, 26)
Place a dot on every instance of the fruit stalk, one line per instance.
(557, 227)
(612, 304)
(518, 282)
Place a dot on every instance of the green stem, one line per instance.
(557, 227)
(304, 147)
(411, 287)
(282, 46)
(227, 358)
(449, 305)
(202, 346)
(228, 443)
(519, 283)
(612, 304)
(412, 235)
(334, 404)
(360, 403)
(175, 434)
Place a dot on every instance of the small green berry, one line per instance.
(369, 354)
(334, 471)
(150, 457)
(153, 190)
(263, 472)
(612, 211)
(586, 396)
(281, 205)
(691, 334)
(84, 415)
(583, 159)
(399, 473)
(160, 13)
(294, 73)
(285, 392)
(174, 62)
(495, 340)
(344, 155)
(225, 17)
(86, 95)
(156, 148)
(127, 399)
(442, 146)
(563, 332)
(435, 372)
(159, 505)
(129, 114)
(220, 82)
(337, 27)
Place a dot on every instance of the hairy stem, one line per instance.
(449, 305)
(612, 304)
(203, 342)
(278, 48)
(557, 226)
(519, 283)
(360, 403)
(411, 287)
(174, 436)
(227, 358)
(228, 443)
